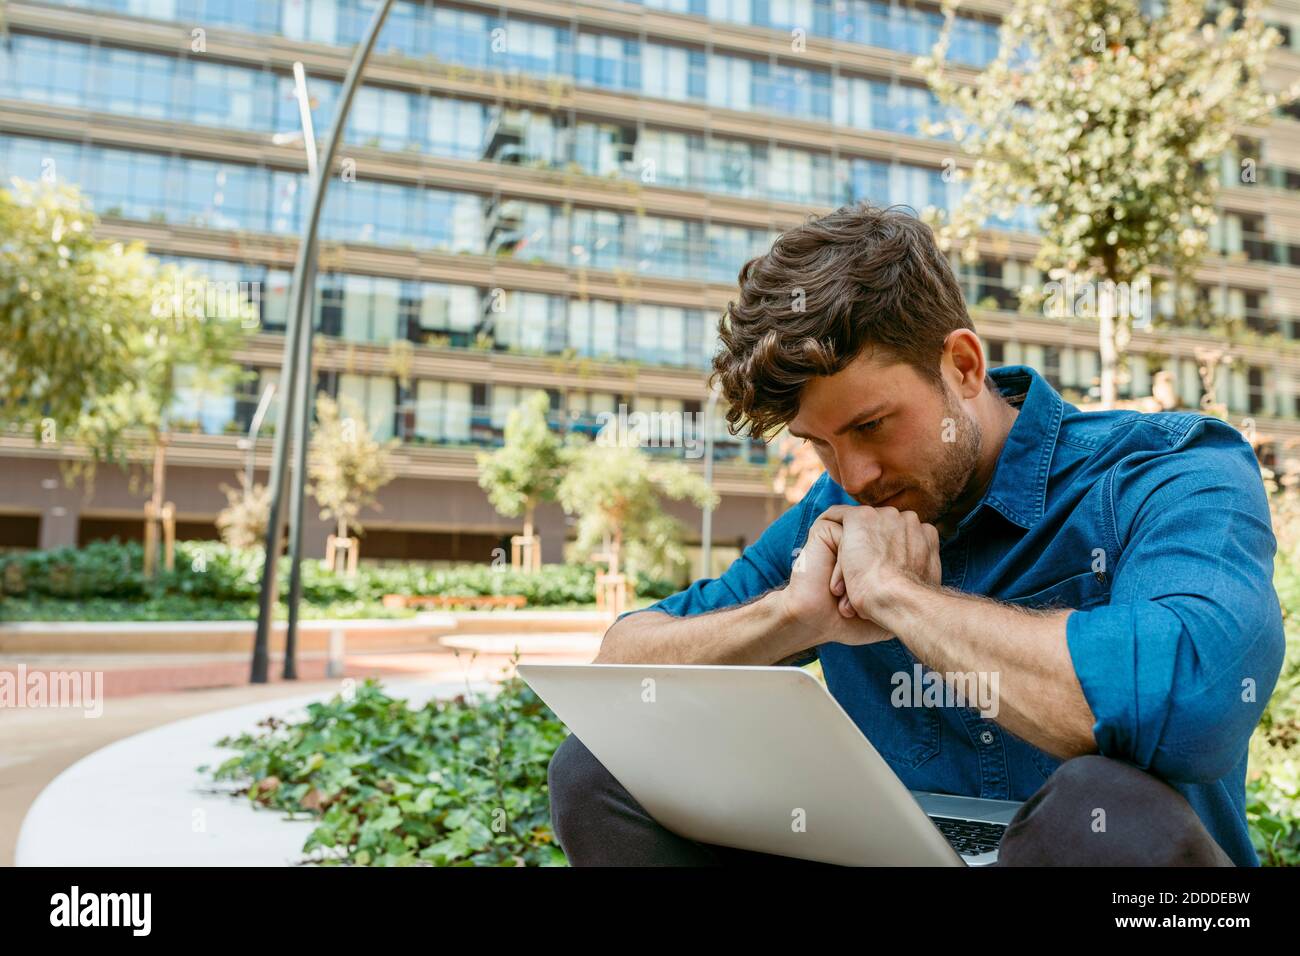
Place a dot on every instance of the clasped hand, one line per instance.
(856, 561)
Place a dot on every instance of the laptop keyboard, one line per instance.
(970, 837)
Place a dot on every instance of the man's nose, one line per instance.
(859, 476)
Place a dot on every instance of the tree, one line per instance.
(95, 336)
(616, 491)
(180, 343)
(242, 522)
(81, 319)
(69, 304)
(525, 471)
(345, 464)
(1108, 122)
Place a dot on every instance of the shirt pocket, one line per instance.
(1078, 592)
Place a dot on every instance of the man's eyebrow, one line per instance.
(857, 419)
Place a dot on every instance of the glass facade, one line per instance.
(465, 36)
(167, 188)
(398, 209)
(212, 94)
(184, 89)
(606, 61)
(379, 310)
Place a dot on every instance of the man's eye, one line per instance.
(870, 426)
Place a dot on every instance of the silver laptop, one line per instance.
(761, 758)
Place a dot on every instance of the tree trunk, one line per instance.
(154, 513)
(1107, 332)
(1106, 345)
(534, 544)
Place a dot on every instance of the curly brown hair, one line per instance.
(856, 277)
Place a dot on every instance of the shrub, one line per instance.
(457, 782)
(1273, 776)
(215, 572)
(100, 569)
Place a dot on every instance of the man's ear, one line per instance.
(963, 353)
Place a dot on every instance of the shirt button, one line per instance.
(987, 737)
(1100, 576)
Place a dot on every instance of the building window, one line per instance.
(1256, 399)
(443, 411)
(330, 292)
(1052, 365)
(374, 398)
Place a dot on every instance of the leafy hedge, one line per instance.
(100, 569)
(170, 607)
(208, 572)
(458, 782)
(1273, 777)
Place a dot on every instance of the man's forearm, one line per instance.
(754, 633)
(1039, 696)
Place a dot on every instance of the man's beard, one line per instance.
(956, 472)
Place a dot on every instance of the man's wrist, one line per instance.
(899, 603)
(791, 632)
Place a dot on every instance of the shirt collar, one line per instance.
(1018, 490)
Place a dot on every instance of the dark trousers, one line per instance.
(1147, 823)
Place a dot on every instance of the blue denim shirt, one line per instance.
(1156, 528)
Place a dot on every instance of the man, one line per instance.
(1109, 572)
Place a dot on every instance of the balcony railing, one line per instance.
(486, 430)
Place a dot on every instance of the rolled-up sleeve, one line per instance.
(1178, 667)
(764, 565)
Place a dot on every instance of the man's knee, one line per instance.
(574, 777)
(1096, 811)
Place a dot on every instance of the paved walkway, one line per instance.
(141, 801)
(150, 673)
(37, 744)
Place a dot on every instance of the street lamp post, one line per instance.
(303, 394)
(291, 363)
